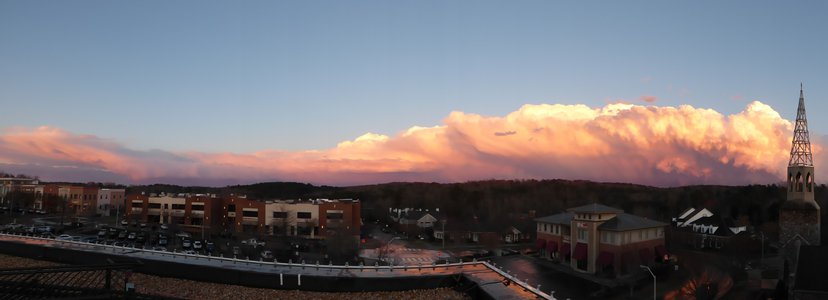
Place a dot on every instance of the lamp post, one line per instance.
(654, 279)
(384, 250)
(762, 260)
(443, 221)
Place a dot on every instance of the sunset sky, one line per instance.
(359, 92)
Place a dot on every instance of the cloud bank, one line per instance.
(663, 146)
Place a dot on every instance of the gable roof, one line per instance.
(416, 215)
(812, 269)
(625, 221)
(686, 213)
(561, 218)
(595, 208)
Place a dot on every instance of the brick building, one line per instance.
(595, 238)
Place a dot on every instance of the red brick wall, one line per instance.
(144, 207)
(350, 215)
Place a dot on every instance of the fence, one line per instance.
(181, 257)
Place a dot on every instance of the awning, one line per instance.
(565, 249)
(540, 243)
(580, 251)
(552, 246)
(646, 255)
(605, 258)
(661, 252)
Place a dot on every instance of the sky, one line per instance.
(360, 92)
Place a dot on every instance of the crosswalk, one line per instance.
(417, 260)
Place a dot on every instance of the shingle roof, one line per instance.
(595, 208)
(812, 269)
(561, 218)
(625, 221)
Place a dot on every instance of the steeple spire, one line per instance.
(801, 145)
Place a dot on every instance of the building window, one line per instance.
(178, 206)
(303, 215)
(334, 216)
(155, 205)
(280, 214)
(583, 235)
(197, 207)
(231, 207)
(250, 213)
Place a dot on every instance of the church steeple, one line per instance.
(801, 145)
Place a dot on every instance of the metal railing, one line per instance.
(290, 265)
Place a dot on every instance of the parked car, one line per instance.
(162, 242)
(267, 254)
(159, 248)
(507, 252)
(186, 244)
(189, 251)
(131, 236)
(102, 233)
(209, 246)
(122, 235)
(65, 237)
(253, 242)
(236, 251)
(164, 227)
(90, 239)
(124, 223)
(197, 245)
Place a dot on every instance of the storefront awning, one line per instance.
(646, 255)
(605, 258)
(552, 246)
(540, 243)
(580, 251)
(565, 249)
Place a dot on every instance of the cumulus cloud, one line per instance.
(662, 146)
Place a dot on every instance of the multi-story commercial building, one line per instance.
(110, 201)
(243, 215)
(192, 213)
(316, 218)
(596, 238)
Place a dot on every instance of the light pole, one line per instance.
(384, 250)
(654, 279)
(443, 221)
(762, 260)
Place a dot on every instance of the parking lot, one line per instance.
(109, 231)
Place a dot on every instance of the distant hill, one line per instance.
(494, 200)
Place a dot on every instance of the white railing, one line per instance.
(298, 265)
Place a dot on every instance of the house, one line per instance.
(596, 238)
(702, 229)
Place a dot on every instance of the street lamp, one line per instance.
(444, 233)
(654, 279)
(762, 260)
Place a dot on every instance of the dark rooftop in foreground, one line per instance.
(812, 270)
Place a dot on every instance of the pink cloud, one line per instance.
(618, 142)
(648, 98)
